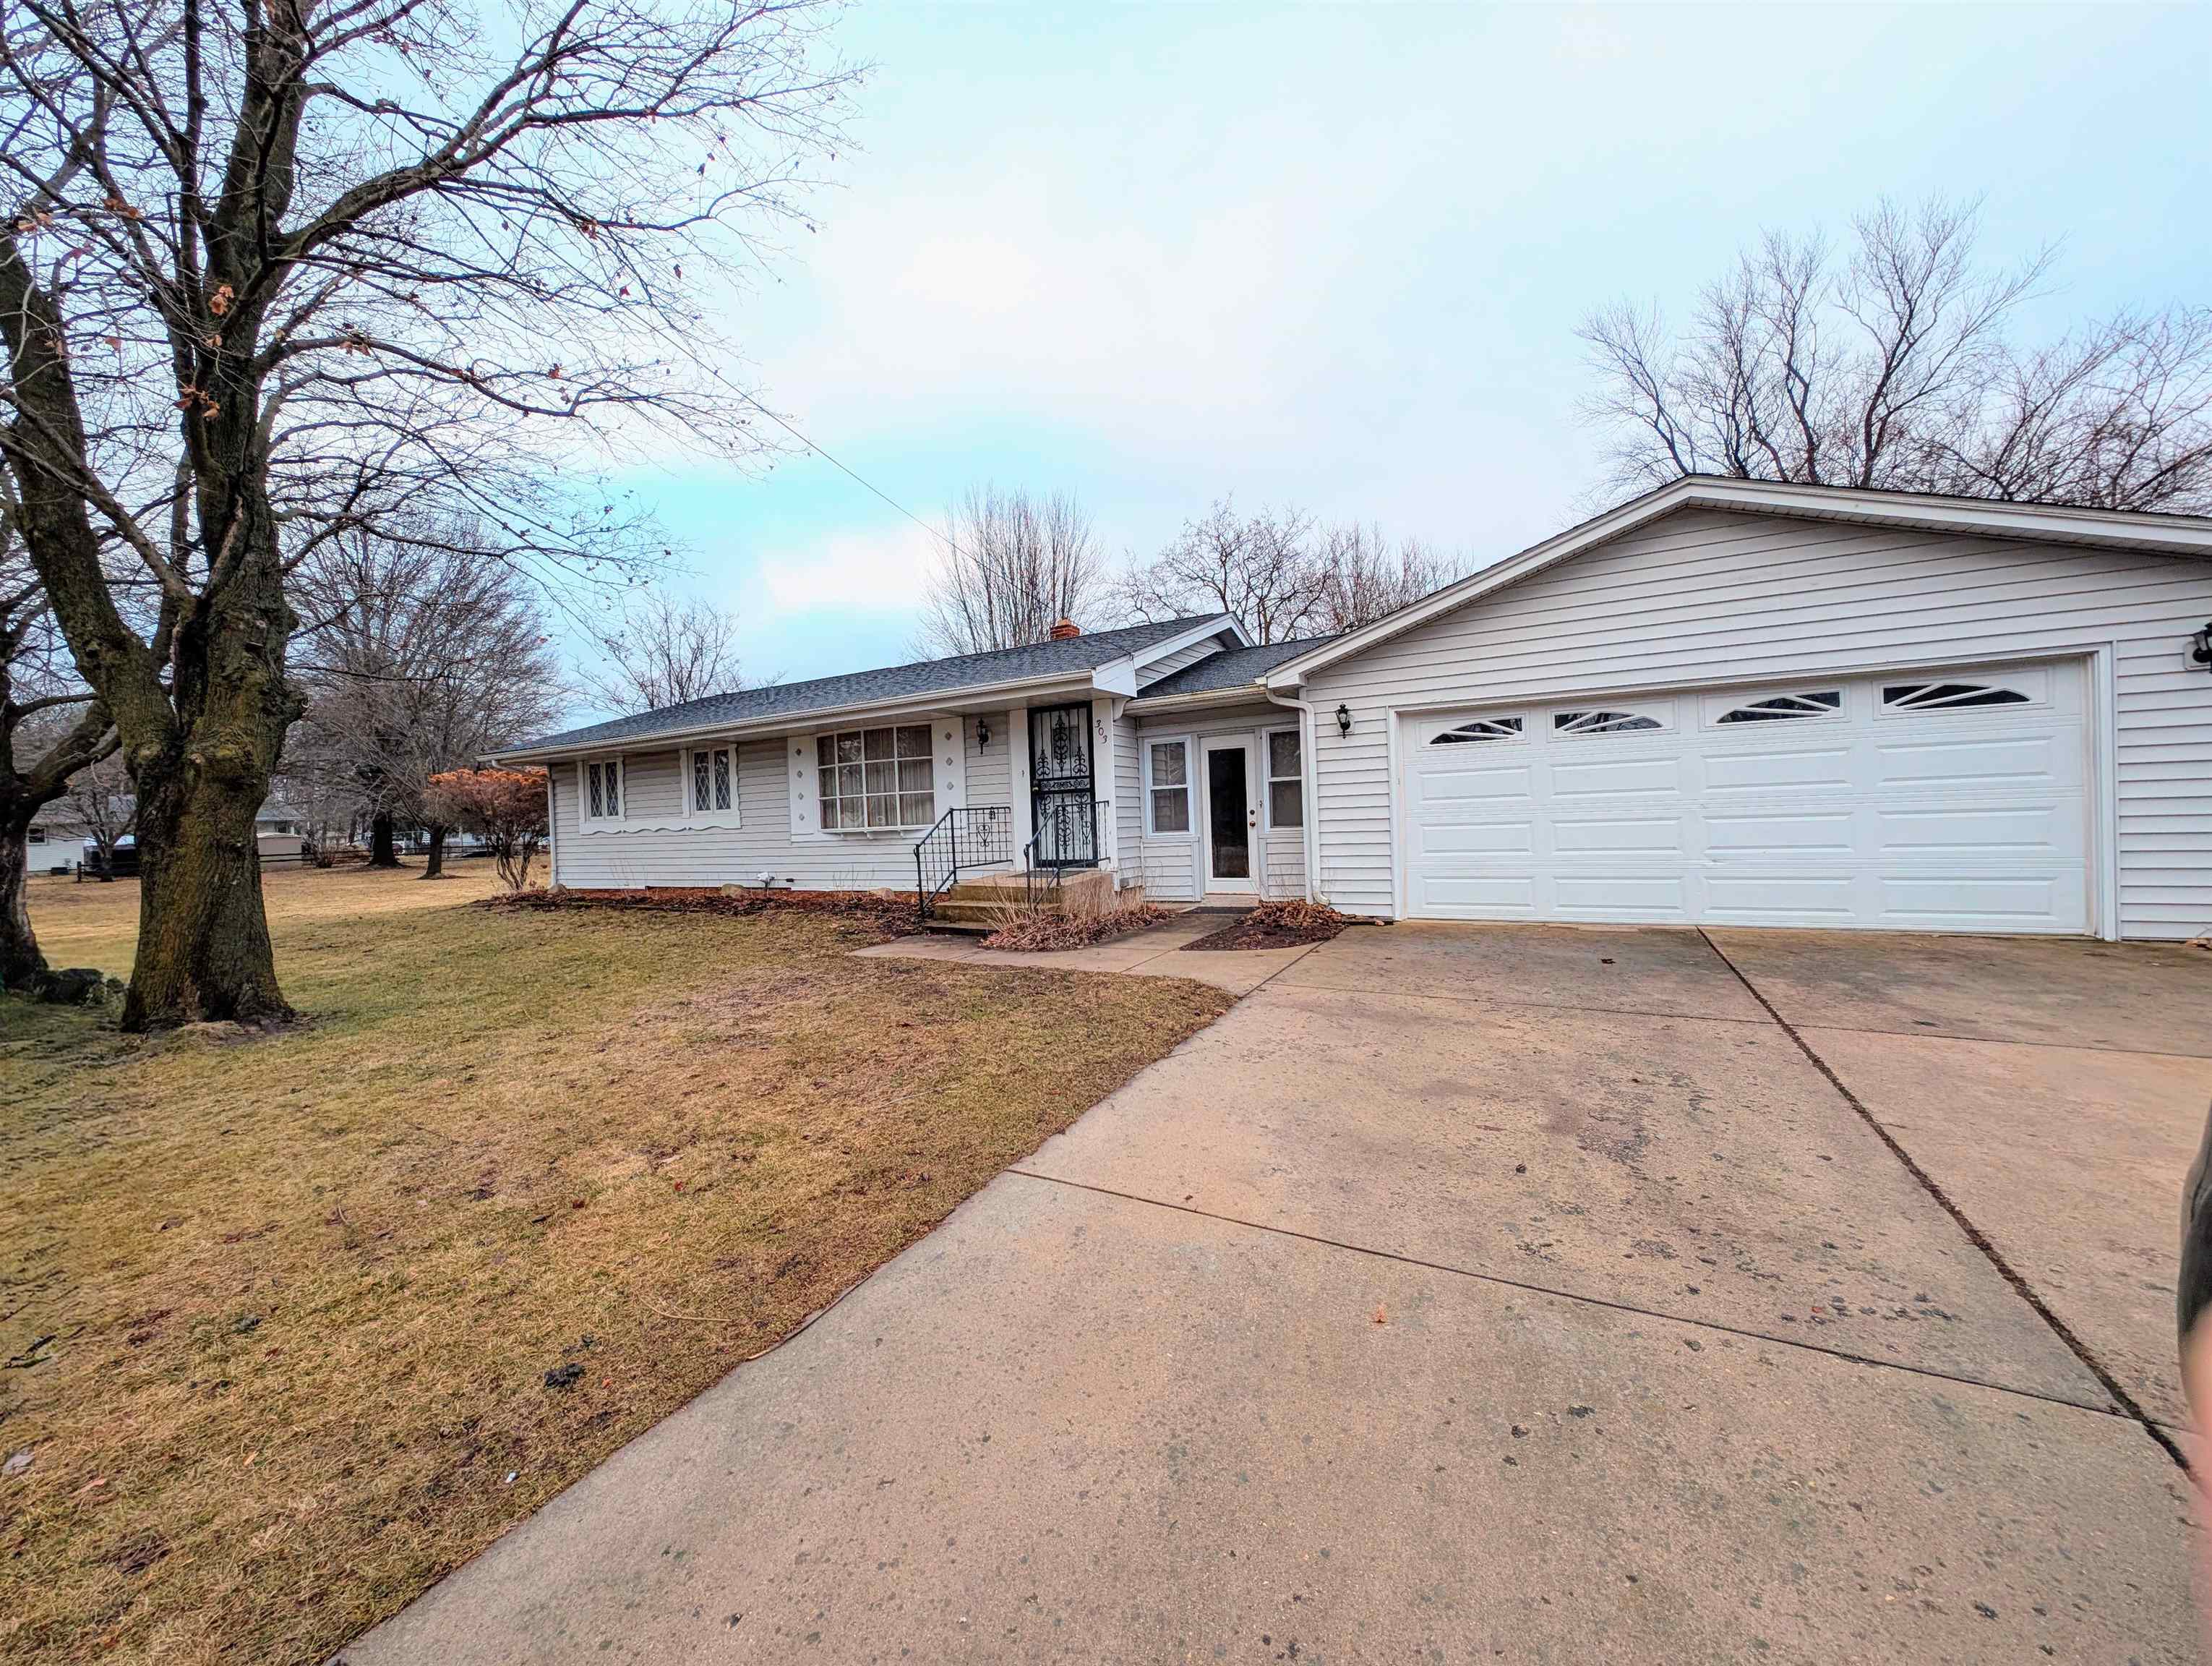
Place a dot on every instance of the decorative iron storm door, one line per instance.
(1064, 805)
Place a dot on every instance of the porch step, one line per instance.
(985, 899)
(984, 917)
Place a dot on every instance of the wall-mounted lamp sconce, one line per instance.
(1344, 719)
(983, 732)
(2200, 648)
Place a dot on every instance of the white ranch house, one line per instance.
(1725, 702)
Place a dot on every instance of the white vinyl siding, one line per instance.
(989, 784)
(656, 848)
(1129, 824)
(1709, 596)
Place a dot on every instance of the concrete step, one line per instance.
(974, 914)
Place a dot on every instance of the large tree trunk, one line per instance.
(201, 705)
(20, 959)
(435, 868)
(204, 948)
(380, 851)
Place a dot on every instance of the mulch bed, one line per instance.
(1277, 926)
(890, 913)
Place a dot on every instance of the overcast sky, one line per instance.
(1336, 257)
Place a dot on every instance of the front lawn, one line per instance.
(293, 1325)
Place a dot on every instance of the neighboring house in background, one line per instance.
(1725, 703)
(278, 830)
(54, 836)
(57, 834)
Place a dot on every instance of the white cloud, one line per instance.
(878, 569)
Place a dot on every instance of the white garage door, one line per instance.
(1950, 802)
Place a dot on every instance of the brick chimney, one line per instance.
(1065, 629)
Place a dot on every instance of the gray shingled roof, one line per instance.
(1231, 668)
(1068, 658)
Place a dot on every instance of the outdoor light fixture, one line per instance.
(1344, 719)
(983, 732)
(2200, 646)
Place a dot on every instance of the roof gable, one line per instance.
(1235, 668)
(2041, 523)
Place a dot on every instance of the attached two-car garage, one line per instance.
(1757, 703)
(1954, 801)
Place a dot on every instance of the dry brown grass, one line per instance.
(302, 1292)
(92, 924)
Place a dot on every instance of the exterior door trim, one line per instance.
(1208, 883)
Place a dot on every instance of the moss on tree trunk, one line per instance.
(20, 959)
(204, 950)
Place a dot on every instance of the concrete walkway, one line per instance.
(1159, 953)
(1478, 1294)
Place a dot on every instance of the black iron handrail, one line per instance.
(1058, 837)
(972, 836)
(1040, 887)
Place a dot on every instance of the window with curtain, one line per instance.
(876, 779)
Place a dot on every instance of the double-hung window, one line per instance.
(1287, 797)
(710, 785)
(1167, 785)
(600, 780)
(876, 779)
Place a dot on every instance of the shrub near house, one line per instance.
(505, 808)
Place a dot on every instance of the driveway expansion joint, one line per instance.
(1631, 1309)
(1501, 1001)
(2111, 1384)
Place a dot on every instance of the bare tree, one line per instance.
(422, 657)
(666, 652)
(271, 273)
(1263, 568)
(1894, 366)
(1016, 565)
(1365, 576)
(50, 730)
(101, 802)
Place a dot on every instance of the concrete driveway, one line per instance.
(1480, 1293)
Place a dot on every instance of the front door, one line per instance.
(1063, 805)
(1229, 816)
